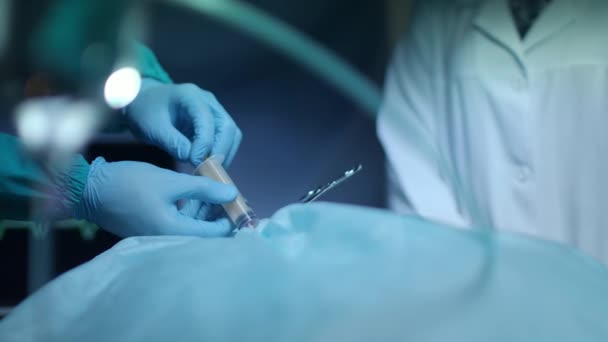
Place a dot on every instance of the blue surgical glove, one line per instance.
(187, 122)
(132, 198)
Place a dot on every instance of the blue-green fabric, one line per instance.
(68, 29)
(23, 182)
(71, 27)
(148, 64)
(325, 272)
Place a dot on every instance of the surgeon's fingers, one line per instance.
(234, 148)
(201, 188)
(185, 225)
(226, 130)
(175, 143)
(193, 103)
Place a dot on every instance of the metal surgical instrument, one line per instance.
(317, 192)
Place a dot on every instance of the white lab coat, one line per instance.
(481, 128)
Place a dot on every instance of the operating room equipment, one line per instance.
(239, 211)
(86, 229)
(320, 190)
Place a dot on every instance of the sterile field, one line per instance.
(325, 272)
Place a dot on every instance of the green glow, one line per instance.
(87, 229)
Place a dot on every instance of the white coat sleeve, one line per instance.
(417, 179)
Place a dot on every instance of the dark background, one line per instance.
(299, 132)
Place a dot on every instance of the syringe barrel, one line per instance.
(239, 211)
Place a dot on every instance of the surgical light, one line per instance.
(122, 87)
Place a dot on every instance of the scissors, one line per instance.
(317, 192)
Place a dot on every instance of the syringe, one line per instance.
(239, 211)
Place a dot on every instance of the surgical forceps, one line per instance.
(317, 192)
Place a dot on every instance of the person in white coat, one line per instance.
(494, 120)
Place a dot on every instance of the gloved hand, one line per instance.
(132, 198)
(187, 122)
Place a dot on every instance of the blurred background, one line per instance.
(299, 131)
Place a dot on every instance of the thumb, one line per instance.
(199, 151)
(202, 188)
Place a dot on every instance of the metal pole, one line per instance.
(41, 261)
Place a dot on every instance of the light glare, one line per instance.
(33, 124)
(122, 87)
